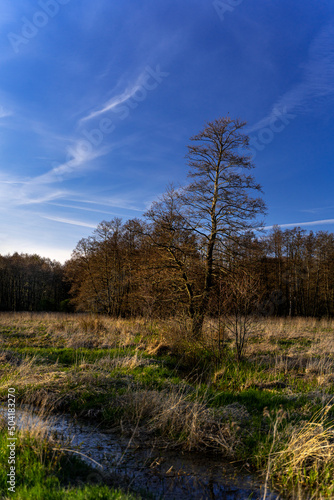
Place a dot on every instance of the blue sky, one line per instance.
(98, 101)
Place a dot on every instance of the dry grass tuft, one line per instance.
(159, 349)
(129, 361)
(320, 366)
(30, 372)
(35, 424)
(307, 457)
(190, 425)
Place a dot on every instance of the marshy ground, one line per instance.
(270, 413)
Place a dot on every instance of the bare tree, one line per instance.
(179, 259)
(99, 270)
(218, 203)
(242, 299)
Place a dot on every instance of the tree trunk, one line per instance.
(197, 324)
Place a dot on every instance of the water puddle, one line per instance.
(165, 474)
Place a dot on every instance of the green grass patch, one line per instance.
(254, 400)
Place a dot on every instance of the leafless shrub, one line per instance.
(242, 298)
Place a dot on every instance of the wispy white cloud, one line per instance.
(297, 224)
(69, 221)
(316, 83)
(85, 209)
(118, 99)
(18, 193)
(112, 201)
(78, 155)
(316, 210)
(29, 198)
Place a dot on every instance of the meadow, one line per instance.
(270, 412)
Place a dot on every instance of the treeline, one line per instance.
(130, 269)
(32, 283)
(297, 269)
(127, 269)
